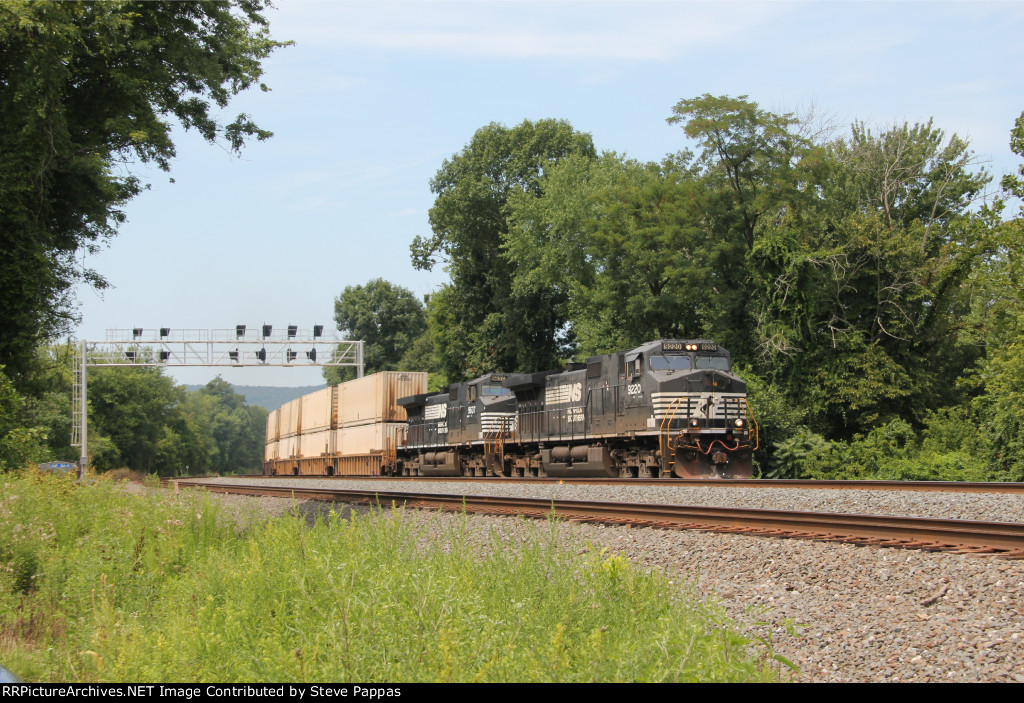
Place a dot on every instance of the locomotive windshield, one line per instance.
(713, 362)
(670, 363)
(496, 390)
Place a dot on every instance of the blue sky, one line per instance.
(375, 95)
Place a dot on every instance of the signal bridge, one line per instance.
(261, 346)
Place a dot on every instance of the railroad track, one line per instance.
(930, 534)
(831, 484)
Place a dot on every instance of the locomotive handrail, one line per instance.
(665, 429)
(747, 410)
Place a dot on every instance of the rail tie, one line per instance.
(1004, 540)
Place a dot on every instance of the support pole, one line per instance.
(83, 417)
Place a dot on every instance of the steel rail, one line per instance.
(935, 534)
(832, 484)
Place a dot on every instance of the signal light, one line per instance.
(164, 331)
(164, 355)
(136, 332)
(318, 331)
(233, 355)
(311, 355)
(131, 356)
(267, 329)
(292, 330)
(291, 355)
(262, 355)
(239, 331)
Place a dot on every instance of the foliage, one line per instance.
(494, 326)
(892, 452)
(618, 240)
(865, 282)
(88, 87)
(20, 445)
(140, 419)
(133, 588)
(389, 319)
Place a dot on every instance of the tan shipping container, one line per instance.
(317, 443)
(270, 453)
(288, 447)
(272, 420)
(291, 414)
(319, 410)
(373, 399)
(371, 438)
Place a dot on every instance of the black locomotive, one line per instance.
(669, 407)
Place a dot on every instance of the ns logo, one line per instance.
(575, 393)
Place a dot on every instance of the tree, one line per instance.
(388, 318)
(495, 328)
(86, 88)
(19, 445)
(621, 242)
(130, 407)
(757, 155)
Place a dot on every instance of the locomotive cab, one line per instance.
(490, 408)
(698, 409)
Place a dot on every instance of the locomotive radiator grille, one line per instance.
(684, 406)
(497, 422)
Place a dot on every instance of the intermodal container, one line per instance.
(373, 399)
(320, 410)
(371, 438)
(288, 447)
(272, 429)
(291, 415)
(317, 443)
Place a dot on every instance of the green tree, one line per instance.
(757, 157)
(19, 445)
(621, 242)
(494, 327)
(999, 316)
(88, 87)
(388, 318)
(131, 407)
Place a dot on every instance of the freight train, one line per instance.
(666, 408)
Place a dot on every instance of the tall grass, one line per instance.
(97, 585)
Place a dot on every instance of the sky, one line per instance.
(374, 96)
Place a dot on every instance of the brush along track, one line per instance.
(931, 534)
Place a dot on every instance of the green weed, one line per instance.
(136, 588)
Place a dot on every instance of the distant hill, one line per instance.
(269, 397)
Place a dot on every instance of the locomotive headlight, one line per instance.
(739, 422)
(693, 423)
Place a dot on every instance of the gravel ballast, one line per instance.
(862, 614)
(991, 507)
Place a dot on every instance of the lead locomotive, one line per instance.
(669, 407)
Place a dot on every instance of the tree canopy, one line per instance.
(388, 318)
(489, 325)
(865, 283)
(87, 88)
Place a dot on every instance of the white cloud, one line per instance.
(649, 31)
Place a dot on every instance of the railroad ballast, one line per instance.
(666, 408)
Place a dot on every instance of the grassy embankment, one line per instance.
(98, 585)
